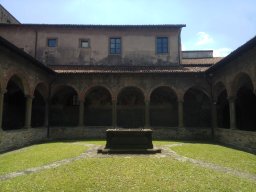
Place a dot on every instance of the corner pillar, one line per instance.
(1, 108)
(114, 113)
(180, 113)
(46, 114)
(147, 123)
(232, 113)
(81, 113)
(214, 114)
(29, 100)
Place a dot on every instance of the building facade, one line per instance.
(75, 81)
(6, 17)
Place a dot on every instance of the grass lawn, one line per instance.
(220, 155)
(124, 173)
(160, 142)
(38, 155)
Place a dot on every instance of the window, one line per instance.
(162, 45)
(84, 43)
(115, 46)
(52, 42)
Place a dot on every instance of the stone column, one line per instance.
(147, 123)
(81, 113)
(29, 100)
(180, 113)
(1, 108)
(46, 114)
(114, 114)
(232, 112)
(214, 114)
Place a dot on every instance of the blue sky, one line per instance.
(221, 25)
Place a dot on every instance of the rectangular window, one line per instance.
(162, 45)
(84, 43)
(115, 46)
(52, 42)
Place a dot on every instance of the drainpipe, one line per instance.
(36, 39)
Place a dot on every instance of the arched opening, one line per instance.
(163, 108)
(245, 103)
(222, 105)
(14, 105)
(39, 106)
(64, 107)
(130, 108)
(223, 110)
(246, 108)
(98, 107)
(197, 109)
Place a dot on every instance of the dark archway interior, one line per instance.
(163, 108)
(98, 108)
(197, 109)
(38, 110)
(64, 107)
(130, 108)
(223, 110)
(246, 109)
(14, 105)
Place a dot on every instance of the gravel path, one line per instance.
(166, 153)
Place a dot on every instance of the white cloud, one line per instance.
(221, 52)
(203, 39)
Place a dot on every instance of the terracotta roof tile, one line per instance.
(124, 27)
(201, 61)
(69, 69)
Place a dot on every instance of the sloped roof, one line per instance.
(13, 48)
(236, 53)
(201, 61)
(119, 27)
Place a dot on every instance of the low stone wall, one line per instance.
(245, 140)
(182, 133)
(18, 138)
(100, 133)
(78, 132)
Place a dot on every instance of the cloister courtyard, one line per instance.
(76, 166)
